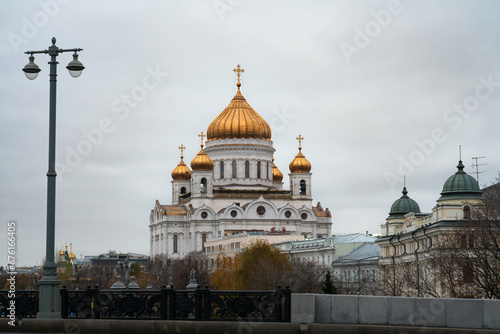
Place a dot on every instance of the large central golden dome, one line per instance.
(238, 120)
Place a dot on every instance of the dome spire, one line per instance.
(238, 70)
(405, 192)
(182, 148)
(300, 139)
(202, 136)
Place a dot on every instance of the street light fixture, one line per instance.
(74, 67)
(31, 69)
(49, 301)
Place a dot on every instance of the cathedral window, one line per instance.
(267, 171)
(203, 240)
(222, 169)
(203, 186)
(302, 187)
(183, 190)
(258, 169)
(261, 210)
(466, 212)
(204, 214)
(234, 213)
(288, 214)
(303, 216)
(247, 169)
(234, 169)
(175, 244)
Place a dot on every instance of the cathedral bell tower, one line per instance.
(300, 176)
(181, 179)
(202, 176)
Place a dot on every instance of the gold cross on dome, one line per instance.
(202, 136)
(238, 70)
(182, 148)
(300, 139)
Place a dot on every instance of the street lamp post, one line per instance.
(49, 304)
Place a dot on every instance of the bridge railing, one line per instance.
(165, 304)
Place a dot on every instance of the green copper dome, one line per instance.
(403, 205)
(460, 185)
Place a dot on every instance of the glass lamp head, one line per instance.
(31, 69)
(75, 67)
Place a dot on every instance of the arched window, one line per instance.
(234, 169)
(203, 186)
(267, 171)
(222, 169)
(247, 169)
(467, 272)
(466, 212)
(203, 240)
(175, 244)
(258, 169)
(183, 190)
(302, 187)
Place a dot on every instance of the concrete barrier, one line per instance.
(396, 311)
(303, 308)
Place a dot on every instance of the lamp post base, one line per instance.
(50, 291)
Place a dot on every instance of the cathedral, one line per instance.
(234, 188)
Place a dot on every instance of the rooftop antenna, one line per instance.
(476, 166)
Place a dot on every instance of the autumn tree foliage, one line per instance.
(224, 276)
(260, 266)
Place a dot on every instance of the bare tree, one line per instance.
(306, 276)
(160, 268)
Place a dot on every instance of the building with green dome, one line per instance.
(408, 236)
(399, 209)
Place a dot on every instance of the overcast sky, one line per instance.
(378, 89)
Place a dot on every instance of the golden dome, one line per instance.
(62, 251)
(300, 164)
(181, 172)
(277, 174)
(202, 161)
(238, 120)
(71, 255)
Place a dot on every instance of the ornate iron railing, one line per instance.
(25, 303)
(164, 304)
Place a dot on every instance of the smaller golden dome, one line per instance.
(181, 172)
(62, 251)
(202, 161)
(300, 164)
(277, 174)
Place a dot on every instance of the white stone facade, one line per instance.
(234, 191)
(234, 204)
